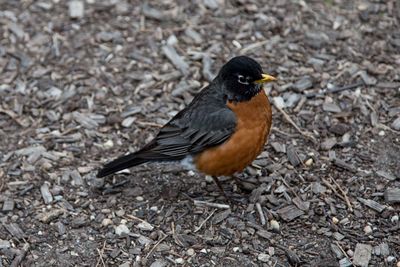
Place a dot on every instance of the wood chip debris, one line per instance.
(372, 204)
(392, 195)
(290, 212)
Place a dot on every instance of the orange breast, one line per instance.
(254, 118)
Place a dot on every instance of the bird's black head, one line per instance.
(242, 78)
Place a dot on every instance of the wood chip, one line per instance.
(51, 215)
(386, 175)
(290, 212)
(265, 234)
(372, 204)
(176, 59)
(345, 262)
(292, 155)
(8, 205)
(15, 230)
(342, 164)
(328, 143)
(392, 195)
(46, 195)
(303, 205)
(219, 217)
(331, 107)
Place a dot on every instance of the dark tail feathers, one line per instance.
(120, 164)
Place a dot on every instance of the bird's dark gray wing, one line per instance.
(205, 123)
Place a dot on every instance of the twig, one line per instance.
(333, 189)
(260, 213)
(156, 245)
(205, 220)
(101, 255)
(210, 204)
(18, 259)
(253, 46)
(344, 195)
(147, 123)
(344, 252)
(288, 186)
(288, 119)
(335, 90)
(283, 133)
(14, 116)
(136, 218)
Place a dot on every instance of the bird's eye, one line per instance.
(242, 79)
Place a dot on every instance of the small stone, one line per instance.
(350, 252)
(396, 124)
(367, 229)
(145, 226)
(274, 225)
(271, 251)
(263, 257)
(362, 254)
(278, 102)
(127, 122)
(394, 219)
(122, 229)
(109, 144)
(179, 260)
(309, 162)
(76, 9)
(106, 222)
(390, 259)
(190, 252)
(335, 220)
(120, 213)
(209, 179)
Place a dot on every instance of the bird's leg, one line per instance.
(215, 178)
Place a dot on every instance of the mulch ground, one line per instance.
(82, 82)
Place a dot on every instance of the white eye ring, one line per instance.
(242, 79)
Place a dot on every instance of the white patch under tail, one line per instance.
(188, 163)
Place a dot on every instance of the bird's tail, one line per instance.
(121, 164)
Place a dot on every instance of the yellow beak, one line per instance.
(266, 78)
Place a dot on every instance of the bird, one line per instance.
(220, 132)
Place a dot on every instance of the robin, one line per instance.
(220, 132)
